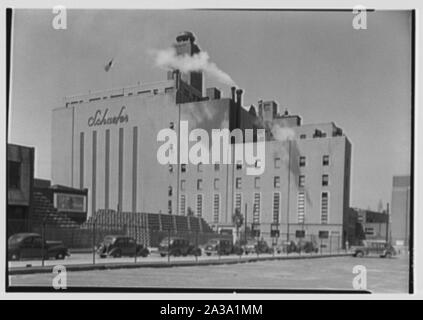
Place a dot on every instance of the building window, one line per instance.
(183, 185)
(14, 174)
(169, 206)
(325, 208)
(325, 180)
(216, 167)
(301, 207)
(302, 161)
(170, 168)
(277, 182)
(276, 206)
(199, 184)
(216, 184)
(155, 91)
(303, 136)
(301, 181)
(183, 167)
(257, 182)
(238, 201)
(170, 191)
(238, 183)
(277, 163)
(323, 234)
(171, 125)
(325, 160)
(239, 166)
(182, 205)
(216, 207)
(369, 231)
(199, 205)
(200, 167)
(256, 208)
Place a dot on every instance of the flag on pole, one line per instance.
(108, 65)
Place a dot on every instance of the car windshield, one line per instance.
(15, 238)
(214, 241)
(165, 241)
(108, 240)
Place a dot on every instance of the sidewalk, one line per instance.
(165, 264)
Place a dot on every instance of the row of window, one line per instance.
(238, 183)
(278, 163)
(301, 206)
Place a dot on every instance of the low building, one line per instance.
(20, 177)
(400, 210)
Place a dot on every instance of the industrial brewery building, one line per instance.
(107, 142)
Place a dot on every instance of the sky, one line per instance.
(315, 64)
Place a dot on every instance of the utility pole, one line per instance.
(245, 224)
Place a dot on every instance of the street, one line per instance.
(383, 275)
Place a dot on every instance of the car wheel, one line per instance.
(15, 256)
(208, 254)
(359, 254)
(388, 255)
(117, 254)
(162, 255)
(60, 256)
(177, 253)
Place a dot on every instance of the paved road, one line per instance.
(383, 275)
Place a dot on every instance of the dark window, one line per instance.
(200, 167)
(325, 180)
(171, 125)
(170, 168)
(303, 136)
(14, 172)
(301, 181)
(183, 167)
(325, 160)
(302, 161)
(277, 163)
(257, 182)
(277, 182)
(239, 166)
(216, 184)
(199, 184)
(216, 167)
(170, 191)
(238, 183)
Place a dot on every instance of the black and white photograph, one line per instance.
(212, 150)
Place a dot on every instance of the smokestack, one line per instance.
(233, 93)
(239, 97)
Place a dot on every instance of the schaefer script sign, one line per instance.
(102, 118)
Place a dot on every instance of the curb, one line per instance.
(111, 266)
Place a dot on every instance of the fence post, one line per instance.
(168, 245)
(42, 242)
(136, 243)
(196, 246)
(93, 242)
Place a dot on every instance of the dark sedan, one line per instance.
(117, 246)
(31, 246)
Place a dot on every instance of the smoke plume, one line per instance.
(281, 133)
(168, 59)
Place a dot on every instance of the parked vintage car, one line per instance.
(307, 247)
(286, 247)
(222, 247)
(117, 246)
(31, 246)
(256, 246)
(176, 246)
(379, 248)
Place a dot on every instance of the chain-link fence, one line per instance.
(92, 242)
